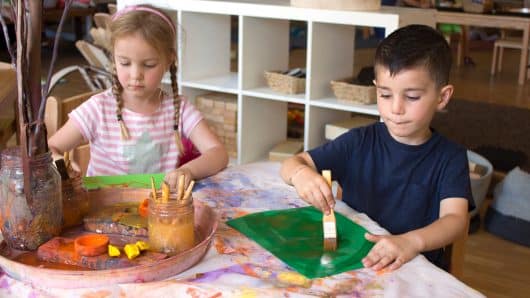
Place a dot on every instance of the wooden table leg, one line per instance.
(524, 56)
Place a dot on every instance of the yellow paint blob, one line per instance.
(293, 278)
(131, 250)
(113, 251)
(248, 293)
(142, 245)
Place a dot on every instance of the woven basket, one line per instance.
(339, 4)
(477, 6)
(350, 93)
(284, 83)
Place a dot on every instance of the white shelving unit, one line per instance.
(263, 44)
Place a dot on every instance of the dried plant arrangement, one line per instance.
(30, 197)
(26, 58)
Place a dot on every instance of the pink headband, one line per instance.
(143, 8)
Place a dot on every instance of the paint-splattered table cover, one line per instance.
(235, 266)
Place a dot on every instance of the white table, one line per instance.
(235, 266)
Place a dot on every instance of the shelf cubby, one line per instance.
(265, 126)
(330, 55)
(264, 45)
(205, 47)
(316, 119)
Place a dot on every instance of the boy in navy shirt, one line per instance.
(400, 172)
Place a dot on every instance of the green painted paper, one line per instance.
(132, 181)
(295, 236)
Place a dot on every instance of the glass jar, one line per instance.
(26, 223)
(170, 225)
(75, 200)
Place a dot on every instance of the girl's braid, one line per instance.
(117, 89)
(176, 105)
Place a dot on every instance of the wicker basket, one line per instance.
(284, 83)
(339, 4)
(350, 93)
(477, 6)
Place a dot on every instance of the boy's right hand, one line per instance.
(313, 189)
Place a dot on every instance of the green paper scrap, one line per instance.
(131, 180)
(295, 236)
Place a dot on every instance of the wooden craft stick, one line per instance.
(329, 224)
(153, 188)
(165, 192)
(66, 157)
(188, 190)
(180, 189)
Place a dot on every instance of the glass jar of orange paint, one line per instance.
(170, 224)
(75, 200)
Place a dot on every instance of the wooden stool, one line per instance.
(498, 51)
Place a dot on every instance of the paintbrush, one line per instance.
(165, 192)
(153, 188)
(66, 157)
(180, 188)
(187, 194)
(328, 222)
(62, 169)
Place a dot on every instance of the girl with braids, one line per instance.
(135, 127)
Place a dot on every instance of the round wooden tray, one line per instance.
(205, 226)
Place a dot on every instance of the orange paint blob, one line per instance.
(91, 245)
(143, 208)
(31, 259)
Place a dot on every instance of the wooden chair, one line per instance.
(101, 33)
(95, 78)
(8, 100)
(93, 55)
(498, 51)
(57, 111)
(112, 8)
(454, 254)
(102, 20)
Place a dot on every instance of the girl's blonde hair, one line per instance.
(157, 30)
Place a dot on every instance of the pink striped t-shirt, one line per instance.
(151, 147)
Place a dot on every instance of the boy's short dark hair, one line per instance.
(413, 46)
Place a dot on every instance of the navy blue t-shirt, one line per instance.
(399, 186)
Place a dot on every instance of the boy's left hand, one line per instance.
(389, 251)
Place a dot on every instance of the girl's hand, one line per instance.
(74, 167)
(173, 177)
(313, 189)
(389, 251)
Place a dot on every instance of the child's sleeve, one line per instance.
(456, 182)
(335, 155)
(189, 116)
(86, 118)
